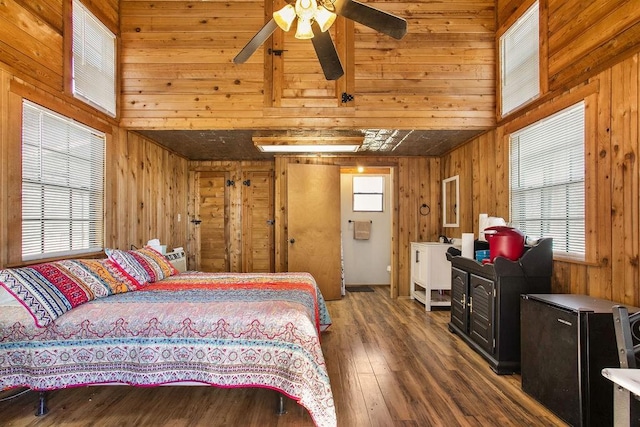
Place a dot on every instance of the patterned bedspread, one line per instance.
(222, 329)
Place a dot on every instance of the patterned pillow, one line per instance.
(155, 264)
(47, 290)
(125, 282)
(129, 265)
(101, 275)
(146, 265)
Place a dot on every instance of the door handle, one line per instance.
(196, 221)
(292, 241)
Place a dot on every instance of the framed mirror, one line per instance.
(450, 202)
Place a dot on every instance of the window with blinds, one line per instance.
(94, 60)
(548, 180)
(520, 61)
(62, 185)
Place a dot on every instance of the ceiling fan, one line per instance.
(314, 19)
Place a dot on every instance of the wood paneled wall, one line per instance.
(586, 37)
(178, 72)
(147, 193)
(591, 54)
(146, 185)
(31, 37)
(583, 37)
(613, 182)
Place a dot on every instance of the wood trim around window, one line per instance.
(594, 213)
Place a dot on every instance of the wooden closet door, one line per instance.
(258, 222)
(212, 234)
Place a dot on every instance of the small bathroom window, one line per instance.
(368, 193)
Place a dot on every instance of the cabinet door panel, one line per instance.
(481, 312)
(459, 298)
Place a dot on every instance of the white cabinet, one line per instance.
(430, 274)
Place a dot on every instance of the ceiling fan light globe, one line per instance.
(284, 17)
(304, 30)
(324, 18)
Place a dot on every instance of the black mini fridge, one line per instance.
(566, 340)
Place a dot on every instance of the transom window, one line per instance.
(62, 185)
(520, 61)
(548, 180)
(94, 60)
(368, 193)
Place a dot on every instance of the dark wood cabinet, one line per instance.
(566, 342)
(485, 301)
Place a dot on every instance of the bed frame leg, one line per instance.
(281, 410)
(42, 404)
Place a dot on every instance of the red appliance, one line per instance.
(504, 241)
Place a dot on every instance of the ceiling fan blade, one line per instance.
(327, 54)
(376, 19)
(257, 40)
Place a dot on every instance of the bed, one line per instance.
(192, 328)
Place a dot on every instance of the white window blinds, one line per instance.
(520, 57)
(548, 180)
(62, 185)
(94, 60)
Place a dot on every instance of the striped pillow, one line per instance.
(129, 265)
(51, 289)
(146, 265)
(103, 275)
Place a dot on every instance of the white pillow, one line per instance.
(7, 299)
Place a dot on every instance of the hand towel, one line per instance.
(361, 230)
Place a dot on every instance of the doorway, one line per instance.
(283, 235)
(366, 201)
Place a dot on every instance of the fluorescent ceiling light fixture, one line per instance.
(309, 148)
(290, 142)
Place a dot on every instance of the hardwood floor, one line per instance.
(390, 363)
